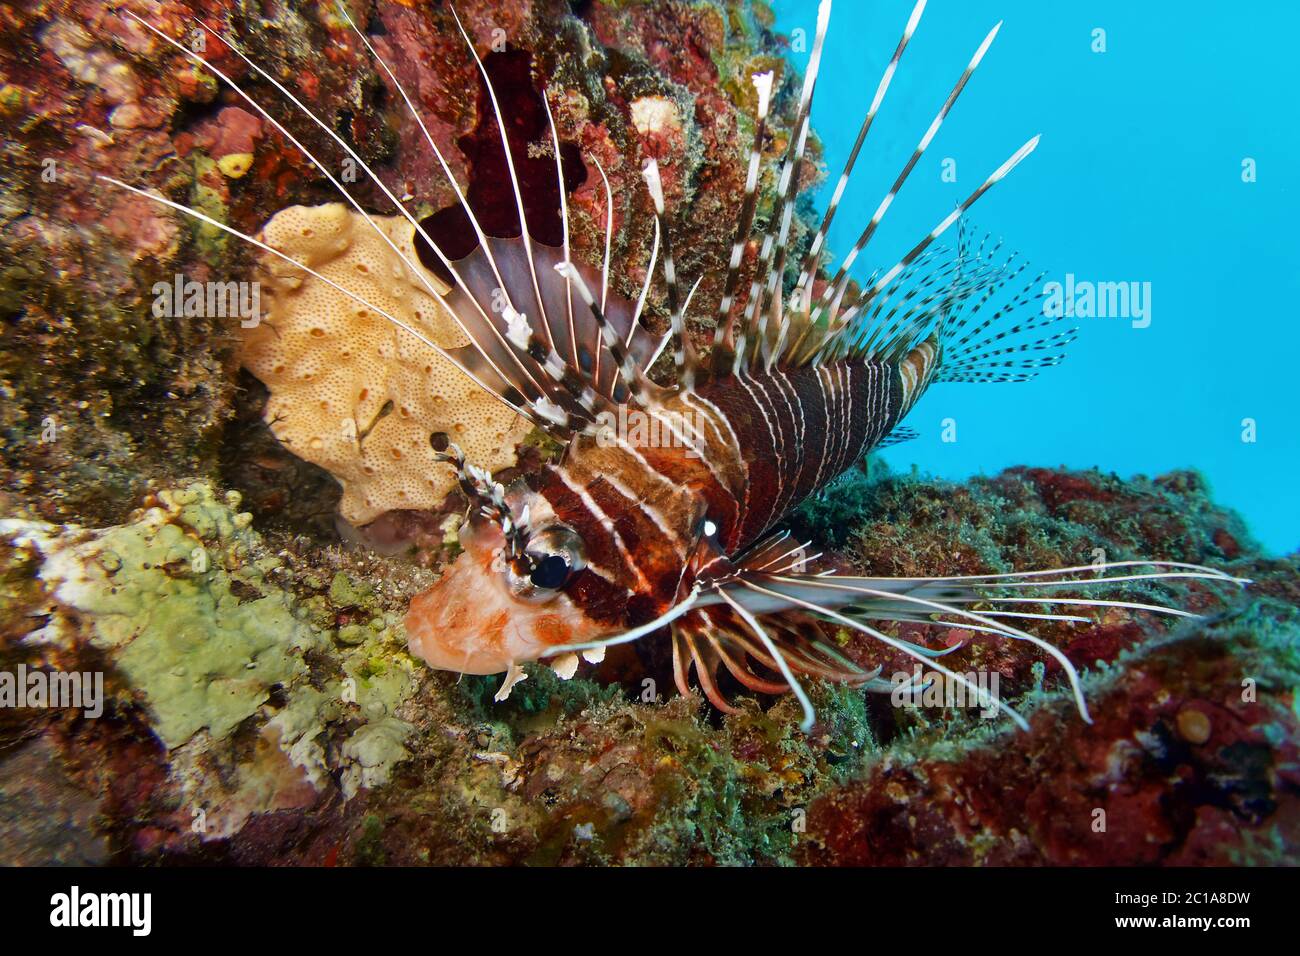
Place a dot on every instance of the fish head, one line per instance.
(492, 609)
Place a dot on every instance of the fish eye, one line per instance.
(552, 557)
(551, 572)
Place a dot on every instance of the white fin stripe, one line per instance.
(826, 410)
(792, 481)
(997, 176)
(609, 239)
(802, 434)
(645, 290)
(731, 442)
(785, 488)
(564, 230)
(834, 292)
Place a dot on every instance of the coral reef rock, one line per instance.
(261, 707)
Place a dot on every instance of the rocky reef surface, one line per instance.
(261, 708)
(259, 705)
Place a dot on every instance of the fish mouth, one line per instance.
(470, 623)
(460, 624)
(440, 631)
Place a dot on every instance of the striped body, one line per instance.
(765, 443)
(798, 430)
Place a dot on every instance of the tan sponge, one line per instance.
(350, 391)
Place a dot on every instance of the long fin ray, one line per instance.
(510, 166)
(770, 303)
(270, 250)
(921, 599)
(808, 271)
(835, 290)
(510, 366)
(427, 281)
(724, 337)
(893, 642)
(461, 199)
(636, 339)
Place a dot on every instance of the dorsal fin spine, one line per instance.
(724, 337)
(771, 304)
(835, 290)
(564, 237)
(684, 355)
(365, 167)
(446, 170)
(809, 269)
(514, 176)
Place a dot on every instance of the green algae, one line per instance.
(210, 240)
(198, 624)
(160, 595)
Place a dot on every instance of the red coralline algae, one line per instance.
(1225, 542)
(1102, 643)
(232, 131)
(1059, 488)
(491, 193)
(1146, 784)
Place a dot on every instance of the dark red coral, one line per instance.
(1176, 769)
(491, 191)
(1059, 488)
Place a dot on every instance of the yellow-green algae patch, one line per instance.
(159, 594)
(206, 631)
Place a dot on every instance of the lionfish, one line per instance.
(625, 538)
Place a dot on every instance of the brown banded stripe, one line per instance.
(798, 429)
(765, 442)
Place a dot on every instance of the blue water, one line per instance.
(1138, 178)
